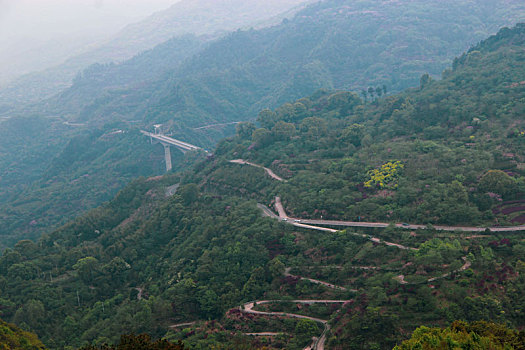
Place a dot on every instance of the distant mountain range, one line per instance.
(197, 17)
(329, 45)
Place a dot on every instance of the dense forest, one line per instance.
(90, 132)
(448, 152)
(204, 266)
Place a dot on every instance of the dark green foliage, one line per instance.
(138, 342)
(144, 261)
(458, 164)
(50, 173)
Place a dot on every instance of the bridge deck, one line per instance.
(177, 143)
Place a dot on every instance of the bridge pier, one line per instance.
(167, 142)
(167, 156)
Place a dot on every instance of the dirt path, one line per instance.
(326, 284)
(268, 171)
(182, 324)
(466, 265)
(318, 344)
(140, 293)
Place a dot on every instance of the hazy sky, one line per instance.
(40, 20)
(36, 34)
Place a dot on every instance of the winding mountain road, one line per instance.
(466, 265)
(283, 215)
(306, 222)
(299, 223)
(319, 343)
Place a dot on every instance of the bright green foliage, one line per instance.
(461, 335)
(497, 181)
(13, 338)
(386, 176)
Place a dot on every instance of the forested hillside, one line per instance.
(461, 334)
(13, 338)
(179, 265)
(190, 82)
(331, 44)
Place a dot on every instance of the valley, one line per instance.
(321, 183)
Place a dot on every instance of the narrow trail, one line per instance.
(466, 265)
(182, 324)
(140, 293)
(318, 344)
(215, 125)
(326, 284)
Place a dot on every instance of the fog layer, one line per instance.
(35, 34)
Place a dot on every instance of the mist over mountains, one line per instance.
(210, 265)
(193, 81)
(356, 174)
(211, 18)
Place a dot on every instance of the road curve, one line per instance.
(319, 343)
(283, 215)
(326, 284)
(466, 265)
(299, 223)
(268, 171)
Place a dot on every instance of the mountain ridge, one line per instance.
(196, 255)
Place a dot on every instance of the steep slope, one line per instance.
(423, 156)
(333, 44)
(190, 82)
(187, 17)
(145, 262)
(14, 338)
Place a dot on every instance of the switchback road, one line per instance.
(326, 284)
(319, 343)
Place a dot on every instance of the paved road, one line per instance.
(299, 223)
(181, 144)
(283, 215)
(268, 171)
